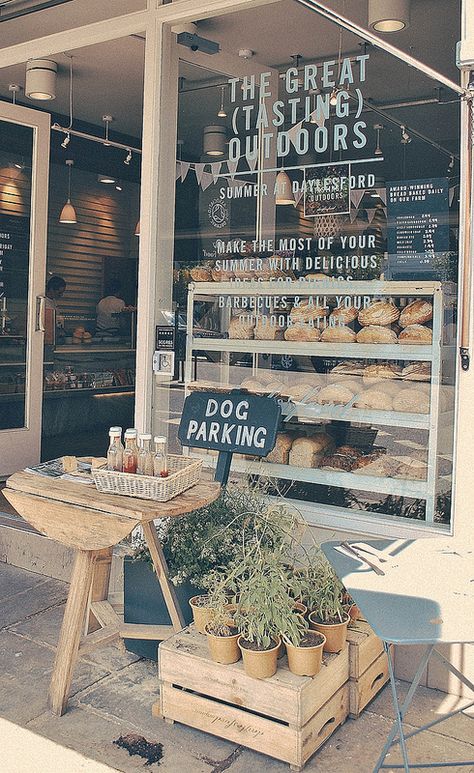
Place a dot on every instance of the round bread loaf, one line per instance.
(264, 331)
(306, 311)
(275, 386)
(409, 467)
(416, 313)
(301, 331)
(350, 368)
(299, 391)
(308, 451)
(412, 401)
(334, 394)
(374, 399)
(241, 329)
(379, 313)
(417, 371)
(201, 274)
(338, 334)
(376, 334)
(416, 334)
(280, 453)
(252, 385)
(389, 386)
(219, 275)
(379, 371)
(344, 315)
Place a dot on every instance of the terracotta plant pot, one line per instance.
(223, 649)
(201, 614)
(259, 664)
(300, 609)
(305, 661)
(354, 612)
(335, 633)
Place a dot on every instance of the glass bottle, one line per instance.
(160, 462)
(145, 456)
(115, 450)
(130, 454)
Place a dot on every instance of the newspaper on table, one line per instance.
(54, 469)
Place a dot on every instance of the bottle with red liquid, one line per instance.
(130, 453)
(160, 461)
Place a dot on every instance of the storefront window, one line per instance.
(317, 200)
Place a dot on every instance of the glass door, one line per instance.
(24, 165)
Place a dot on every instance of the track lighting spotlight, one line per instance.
(378, 150)
(128, 158)
(405, 139)
(451, 164)
(66, 141)
(333, 98)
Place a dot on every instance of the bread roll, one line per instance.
(307, 452)
(338, 334)
(376, 334)
(69, 463)
(416, 313)
(306, 311)
(344, 315)
(412, 401)
(334, 394)
(241, 329)
(263, 331)
(201, 274)
(337, 462)
(417, 371)
(301, 332)
(375, 400)
(299, 391)
(410, 468)
(379, 313)
(416, 334)
(345, 369)
(252, 385)
(281, 450)
(379, 371)
(220, 275)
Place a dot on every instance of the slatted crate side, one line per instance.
(319, 689)
(366, 687)
(323, 724)
(364, 648)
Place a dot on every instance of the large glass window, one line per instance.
(317, 201)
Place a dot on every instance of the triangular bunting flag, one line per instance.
(184, 170)
(178, 170)
(357, 196)
(215, 169)
(252, 162)
(232, 167)
(353, 214)
(206, 180)
(298, 195)
(382, 192)
(199, 169)
(370, 214)
(317, 118)
(451, 195)
(238, 183)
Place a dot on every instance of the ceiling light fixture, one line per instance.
(107, 119)
(66, 141)
(128, 158)
(68, 213)
(378, 128)
(106, 179)
(222, 113)
(405, 139)
(451, 164)
(284, 191)
(118, 188)
(389, 15)
(137, 228)
(40, 80)
(14, 89)
(214, 140)
(333, 98)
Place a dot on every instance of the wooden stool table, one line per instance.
(79, 516)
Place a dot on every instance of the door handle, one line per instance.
(40, 313)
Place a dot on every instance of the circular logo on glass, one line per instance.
(218, 213)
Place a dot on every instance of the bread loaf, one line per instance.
(374, 464)
(317, 277)
(351, 368)
(412, 401)
(69, 463)
(417, 371)
(241, 329)
(410, 468)
(219, 275)
(374, 399)
(376, 334)
(281, 450)
(338, 334)
(416, 313)
(302, 332)
(307, 452)
(334, 394)
(264, 331)
(201, 274)
(252, 385)
(379, 313)
(344, 315)
(337, 462)
(379, 371)
(416, 334)
(306, 311)
(299, 391)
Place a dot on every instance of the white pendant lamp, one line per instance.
(214, 140)
(389, 15)
(68, 213)
(137, 228)
(40, 80)
(284, 192)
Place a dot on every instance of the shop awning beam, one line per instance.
(336, 17)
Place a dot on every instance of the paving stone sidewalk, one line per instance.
(113, 691)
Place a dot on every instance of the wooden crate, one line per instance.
(288, 717)
(368, 666)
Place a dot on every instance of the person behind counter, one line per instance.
(109, 308)
(55, 289)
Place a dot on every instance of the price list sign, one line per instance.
(418, 228)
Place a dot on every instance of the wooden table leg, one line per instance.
(100, 585)
(71, 630)
(161, 569)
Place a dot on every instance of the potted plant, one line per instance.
(328, 615)
(221, 630)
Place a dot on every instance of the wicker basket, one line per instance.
(184, 472)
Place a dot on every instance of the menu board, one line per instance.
(418, 228)
(14, 250)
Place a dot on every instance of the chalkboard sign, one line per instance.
(235, 422)
(14, 256)
(418, 228)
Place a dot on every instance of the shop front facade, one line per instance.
(304, 231)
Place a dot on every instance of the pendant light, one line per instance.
(389, 15)
(137, 228)
(68, 213)
(40, 82)
(222, 113)
(378, 150)
(214, 139)
(284, 191)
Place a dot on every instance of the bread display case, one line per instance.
(363, 372)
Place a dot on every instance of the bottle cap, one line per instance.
(159, 439)
(115, 431)
(131, 432)
(146, 436)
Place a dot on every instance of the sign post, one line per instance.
(235, 422)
